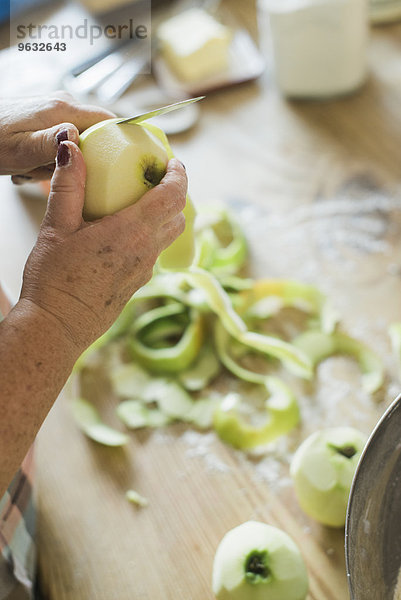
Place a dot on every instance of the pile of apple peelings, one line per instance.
(200, 346)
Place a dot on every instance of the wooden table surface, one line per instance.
(316, 186)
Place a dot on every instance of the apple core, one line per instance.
(153, 175)
(347, 451)
(256, 569)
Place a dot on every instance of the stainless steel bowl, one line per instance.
(373, 527)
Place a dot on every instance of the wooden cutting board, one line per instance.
(94, 544)
(316, 187)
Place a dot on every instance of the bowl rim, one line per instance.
(368, 447)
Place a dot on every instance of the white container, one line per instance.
(319, 46)
(384, 11)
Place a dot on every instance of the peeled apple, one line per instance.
(256, 561)
(123, 162)
(322, 470)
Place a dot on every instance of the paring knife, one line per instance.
(159, 111)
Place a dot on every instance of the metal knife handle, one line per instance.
(115, 85)
(92, 77)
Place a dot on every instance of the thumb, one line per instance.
(43, 143)
(67, 192)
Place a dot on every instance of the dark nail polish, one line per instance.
(63, 155)
(20, 179)
(62, 136)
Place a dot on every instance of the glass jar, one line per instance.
(319, 46)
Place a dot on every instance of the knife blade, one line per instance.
(159, 111)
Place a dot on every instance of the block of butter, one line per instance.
(194, 44)
(104, 6)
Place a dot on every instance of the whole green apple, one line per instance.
(122, 163)
(322, 470)
(256, 561)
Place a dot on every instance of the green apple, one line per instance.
(255, 561)
(123, 162)
(322, 470)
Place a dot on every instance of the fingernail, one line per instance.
(62, 136)
(63, 155)
(20, 179)
(182, 164)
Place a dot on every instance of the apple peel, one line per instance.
(136, 498)
(217, 299)
(171, 359)
(292, 357)
(129, 380)
(219, 302)
(282, 416)
(117, 329)
(181, 252)
(135, 415)
(211, 253)
(203, 371)
(319, 346)
(202, 412)
(88, 420)
(234, 283)
(172, 399)
(161, 312)
(267, 296)
(222, 342)
(162, 285)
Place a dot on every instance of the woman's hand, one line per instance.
(29, 128)
(82, 274)
(77, 279)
